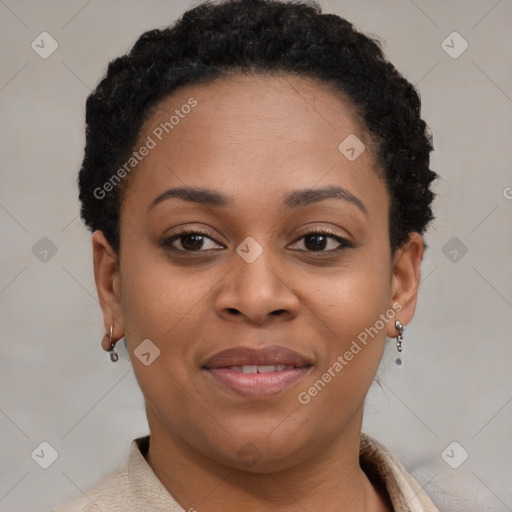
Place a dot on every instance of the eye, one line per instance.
(190, 241)
(318, 240)
(194, 241)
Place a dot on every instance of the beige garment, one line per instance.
(134, 486)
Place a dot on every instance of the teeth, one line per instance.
(260, 369)
(267, 369)
(250, 369)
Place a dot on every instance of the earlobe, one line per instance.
(106, 276)
(406, 279)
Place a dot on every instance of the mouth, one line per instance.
(257, 373)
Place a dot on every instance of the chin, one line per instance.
(260, 454)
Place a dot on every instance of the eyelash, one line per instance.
(167, 242)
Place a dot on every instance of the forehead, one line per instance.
(254, 135)
(255, 104)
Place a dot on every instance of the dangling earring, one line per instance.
(113, 354)
(400, 337)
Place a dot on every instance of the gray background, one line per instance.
(57, 384)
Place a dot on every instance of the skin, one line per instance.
(256, 138)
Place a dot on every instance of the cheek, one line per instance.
(158, 298)
(160, 304)
(350, 298)
(350, 310)
(167, 305)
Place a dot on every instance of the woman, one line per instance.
(256, 179)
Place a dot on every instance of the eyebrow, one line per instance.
(294, 199)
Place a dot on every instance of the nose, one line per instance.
(256, 292)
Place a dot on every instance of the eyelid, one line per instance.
(324, 231)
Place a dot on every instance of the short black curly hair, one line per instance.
(212, 40)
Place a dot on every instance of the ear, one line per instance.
(106, 275)
(406, 280)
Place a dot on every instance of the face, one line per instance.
(278, 254)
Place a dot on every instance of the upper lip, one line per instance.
(265, 356)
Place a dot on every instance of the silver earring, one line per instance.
(113, 354)
(400, 337)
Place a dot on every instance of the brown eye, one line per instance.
(318, 241)
(190, 241)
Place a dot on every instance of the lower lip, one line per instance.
(257, 385)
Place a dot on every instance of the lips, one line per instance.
(272, 355)
(257, 373)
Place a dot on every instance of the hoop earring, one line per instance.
(113, 354)
(400, 337)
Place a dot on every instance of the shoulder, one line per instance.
(133, 486)
(108, 495)
(405, 493)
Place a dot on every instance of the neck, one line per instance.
(330, 481)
